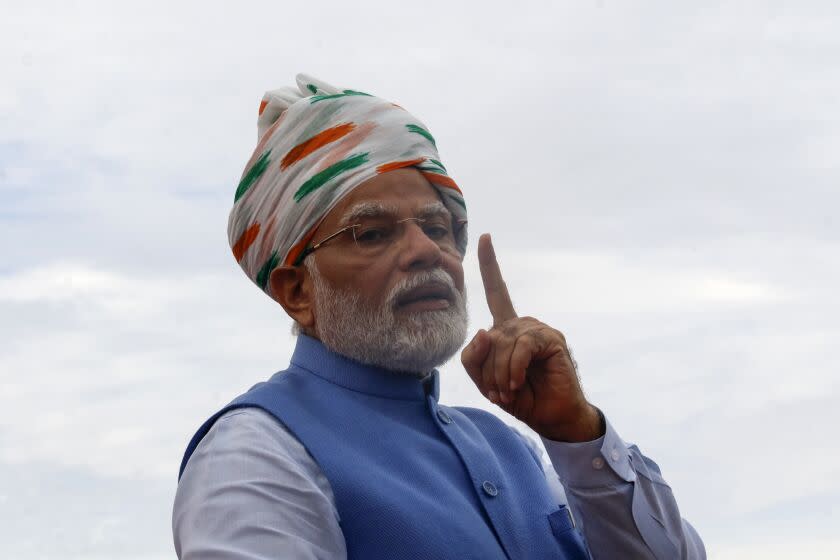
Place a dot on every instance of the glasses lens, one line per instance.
(374, 234)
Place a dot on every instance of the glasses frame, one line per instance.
(312, 248)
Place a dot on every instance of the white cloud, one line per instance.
(610, 282)
(659, 182)
(774, 548)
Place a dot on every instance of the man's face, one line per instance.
(402, 305)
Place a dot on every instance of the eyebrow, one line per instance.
(367, 210)
(434, 210)
(378, 210)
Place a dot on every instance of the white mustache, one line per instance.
(436, 276)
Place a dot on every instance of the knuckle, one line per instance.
(503, 337)
(533, 335)
(512, 326)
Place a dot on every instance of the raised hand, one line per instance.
(524, 366)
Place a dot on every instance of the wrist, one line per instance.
(589, 426)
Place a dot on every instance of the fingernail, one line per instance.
(505, 398)
(493, 396)
(512, 385)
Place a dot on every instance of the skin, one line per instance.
(408, 191)
(520, 363)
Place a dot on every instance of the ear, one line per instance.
(291, 286)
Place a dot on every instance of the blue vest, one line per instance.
(413, 479)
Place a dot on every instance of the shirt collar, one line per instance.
(311, 354)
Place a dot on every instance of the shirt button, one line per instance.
(443, 416)
(615, 455)
(490, 488)
(597, 463)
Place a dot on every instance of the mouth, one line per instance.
(428, 297)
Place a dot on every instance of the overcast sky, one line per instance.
(661, 183)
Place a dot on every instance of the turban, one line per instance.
(316, 143)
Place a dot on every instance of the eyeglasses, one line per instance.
(371, 236)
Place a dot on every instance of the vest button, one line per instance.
(443, 416)
(490, 488)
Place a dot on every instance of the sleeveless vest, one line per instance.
(412, 479)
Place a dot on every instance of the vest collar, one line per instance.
(311, 354)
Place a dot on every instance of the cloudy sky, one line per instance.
(661, 182)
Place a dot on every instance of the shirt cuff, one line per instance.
(590, 464)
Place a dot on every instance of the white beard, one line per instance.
(371, 333)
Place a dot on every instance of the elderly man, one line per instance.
(346, 217)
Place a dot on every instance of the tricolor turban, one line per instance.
(316, 143)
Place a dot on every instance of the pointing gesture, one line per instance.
(498, 299)
(524, 366)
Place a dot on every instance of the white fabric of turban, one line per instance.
(316, 143)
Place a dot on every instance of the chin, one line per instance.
(429, 340)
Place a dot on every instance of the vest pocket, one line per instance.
(568, 537)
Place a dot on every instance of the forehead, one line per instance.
(406, 190)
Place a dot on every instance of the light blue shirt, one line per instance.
(252, 491)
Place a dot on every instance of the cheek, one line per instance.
(455, 268)
(373, 280)
(367, 280)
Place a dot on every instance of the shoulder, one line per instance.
(250, 468)
(247, 446)
(241, 426)
(251, 439)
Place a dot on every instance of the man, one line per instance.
(347, 218)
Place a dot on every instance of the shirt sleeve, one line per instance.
(252, 491)
(621, 502)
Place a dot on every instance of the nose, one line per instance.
(417, 250)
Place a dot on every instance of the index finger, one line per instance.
(498, 299)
